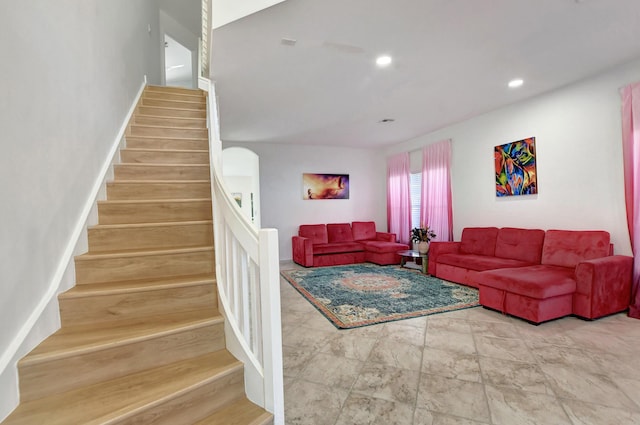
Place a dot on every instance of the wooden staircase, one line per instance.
(142, 341)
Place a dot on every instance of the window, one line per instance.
(415, 185)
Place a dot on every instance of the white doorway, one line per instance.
(178, 64)
(241, 174)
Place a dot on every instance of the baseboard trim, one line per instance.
(8, 371)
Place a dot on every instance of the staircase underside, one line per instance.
(142, 341)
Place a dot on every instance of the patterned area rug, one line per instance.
(366, 294)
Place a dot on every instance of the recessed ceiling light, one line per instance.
(516, 83)
(383, 60)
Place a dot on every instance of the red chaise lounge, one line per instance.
(537, 275)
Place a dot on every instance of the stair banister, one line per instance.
(248, 278)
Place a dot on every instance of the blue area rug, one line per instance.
(365, 294)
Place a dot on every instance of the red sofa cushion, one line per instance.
(339, 232)
(382, 247)
(479, 262)
(537, 281)
(520, 244)
(363, 230)
(479, 240)
(566, 248)
(316, 232)
(334, 248)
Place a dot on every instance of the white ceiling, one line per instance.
(452, 61)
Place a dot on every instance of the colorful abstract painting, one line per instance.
(515, 165)
(325, 186)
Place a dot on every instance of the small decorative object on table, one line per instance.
(422, 236)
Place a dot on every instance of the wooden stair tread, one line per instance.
(139, 253)
(104, 402)
(158, 182)
(158, 165)
(137, 225)
(174, 89)
(166, 150)
(241, 412)
(109, 288)
(151, 201)
(198, 139)
(73, 340)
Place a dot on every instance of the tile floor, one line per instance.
(467, 367)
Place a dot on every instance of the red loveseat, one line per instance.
(537, 275)
(343, 243)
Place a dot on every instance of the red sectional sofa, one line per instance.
(343, 243)
(537, 275)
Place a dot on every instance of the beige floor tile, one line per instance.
(450, 341)
(631, 387)
(387, 382)
(503, 348)
(485, 315)
(392, 353)
(570, 357)
(350, 346)
(403, 334)
(423, 417)
(593, 414)
(453, 397)
(527, 377)
(303, 336)
(295, 360)
(359, 409)
(307, 403)
(444, 323)
(440, 419)
(496, 329)
(332, 371)
(509, 406)
(617, 365)
(451, 364)
(584, 386)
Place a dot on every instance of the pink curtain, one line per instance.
(398, 201)
(631, 155)
(436, 209)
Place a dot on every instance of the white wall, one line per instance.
(281, 169)
(70, 71)
(579, 148)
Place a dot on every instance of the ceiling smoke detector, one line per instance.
(288, 42)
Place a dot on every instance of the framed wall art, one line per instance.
(515, 167)
(325, 186)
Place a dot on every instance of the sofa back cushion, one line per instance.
(363, 230)
(520, 244)
(566, 248)
(316, 232)
(339, 232)
(479, 240)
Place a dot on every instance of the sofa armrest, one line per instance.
(439, 248)
(603, 286)
(302, 251)
(386, 237)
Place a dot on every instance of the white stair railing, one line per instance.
(248, 280)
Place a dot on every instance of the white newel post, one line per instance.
(272, 333)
